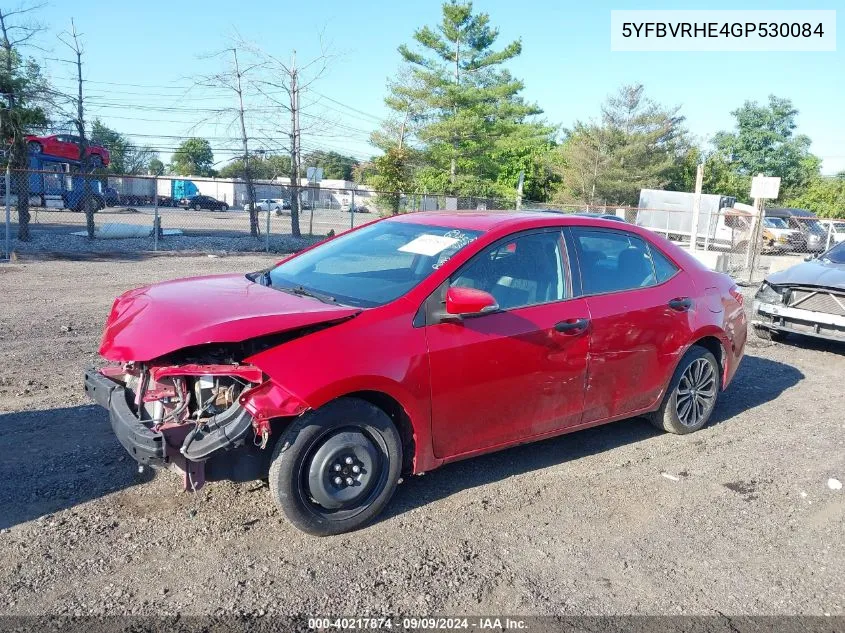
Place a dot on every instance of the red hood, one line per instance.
(149, 322)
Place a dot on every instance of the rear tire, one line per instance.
(335, 469)
(692, 394)
(197, 207)
(96, 161)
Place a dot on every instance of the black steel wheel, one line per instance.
(335, 468)
(692, 393)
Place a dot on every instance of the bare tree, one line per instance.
(71, 39)
(291, 80)
(235, 79)
(23, 88)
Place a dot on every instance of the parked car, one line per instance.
(806, 222)
(835, 230)
(203, 202)
(111, 197)
(269, 204)
(603, 216)
(808, 298)
(779, 238)
(348, 208)
(67, 146)
(411, 342)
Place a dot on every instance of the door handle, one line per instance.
(572, 326)
(681, 304)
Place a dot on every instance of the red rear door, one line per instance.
(517, 373)
(641, 306)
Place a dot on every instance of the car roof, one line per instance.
(782, 212)
(504, 219)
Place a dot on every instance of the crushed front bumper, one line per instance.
(140, 441)
(781, 318)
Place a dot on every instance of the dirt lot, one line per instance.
(735, 519)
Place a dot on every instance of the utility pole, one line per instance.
(250, 190)
(294, 148)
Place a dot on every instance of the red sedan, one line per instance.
(67, 146)
(409, 343)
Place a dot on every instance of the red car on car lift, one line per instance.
(67, 146)
(409, 343)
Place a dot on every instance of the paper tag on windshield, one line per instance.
(428, 245)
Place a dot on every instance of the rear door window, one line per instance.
(611, 261)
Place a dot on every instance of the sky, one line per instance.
(142, 61)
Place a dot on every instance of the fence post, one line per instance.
(754, 238)
(352, 212)
(696, 208)
(829, 234)
(311, 214)
(8, 213)
(267, 231)
(156, 218)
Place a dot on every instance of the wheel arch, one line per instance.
(400, 418)
(715, 346)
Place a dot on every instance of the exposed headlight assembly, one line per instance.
(769, 293)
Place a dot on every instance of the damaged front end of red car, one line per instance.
(182, 393)
(207, 421)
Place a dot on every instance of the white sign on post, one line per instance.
(765, 187)
(315, 174)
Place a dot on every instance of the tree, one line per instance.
(391, 178)
(268, 168)
(824, 196)
(23, 88)
(335, 166)
(464, 111)
(638, 144)
(764, 141)
(156, 167)
(194, 158)
(126, 158)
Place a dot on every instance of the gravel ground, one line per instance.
(738, 518)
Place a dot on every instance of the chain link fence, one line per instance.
(87, 213)
(145, 213)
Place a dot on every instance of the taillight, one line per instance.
(736, 294)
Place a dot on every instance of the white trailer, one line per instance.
(720, 218)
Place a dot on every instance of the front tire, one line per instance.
(224, 207)
(34, 147)
(775, 336)
(692, 394)
(335, 469)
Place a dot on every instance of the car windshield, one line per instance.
(374, 265)
(775, 223)
(835, 255)
(814, 226)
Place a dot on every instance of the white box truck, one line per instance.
(722, 222)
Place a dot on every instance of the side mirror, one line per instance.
(469, 302)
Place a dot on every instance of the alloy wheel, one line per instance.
(696, 392)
